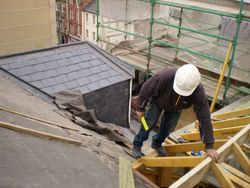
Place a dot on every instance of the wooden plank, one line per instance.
(37, 119)
(236, 172)
(126, 178)
(165, 177)
(221, 176)
(233, 114)
(198, 173)
(238, 181)
(219, 133)
(246, 148)
(38, 133)
(189, 161)
(165, 174)
(196, 146)
(138, 163)
(231, 122)
(142, 177)
(241, 157)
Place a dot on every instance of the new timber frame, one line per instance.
(165, 171)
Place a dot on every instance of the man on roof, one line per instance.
(172, 90)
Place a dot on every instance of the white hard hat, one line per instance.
(186, 79)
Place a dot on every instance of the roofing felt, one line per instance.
(90, 7)
(82, 66)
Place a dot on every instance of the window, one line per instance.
(78, 29)
(93, 19)
(58, 6)
(87, 33)
(77, 2)
(70, 14)
(93, 35)
(87, 17)
(77, 14)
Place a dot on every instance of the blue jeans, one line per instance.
(169, 121)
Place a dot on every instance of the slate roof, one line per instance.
(90, 7)
(81, 66)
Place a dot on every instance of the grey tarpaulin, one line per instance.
(72, 101)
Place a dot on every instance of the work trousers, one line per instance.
(169, 121)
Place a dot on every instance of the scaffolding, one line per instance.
(237, 15)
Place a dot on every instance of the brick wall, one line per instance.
(111, 104)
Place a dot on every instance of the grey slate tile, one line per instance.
(26, 70)
(30, 62)
(16, 65)
(84, 89)
(5, 66)
(84, 50)
(39, 67)
(112, 73)
(48, 82)
(71, 84)
(103, 83)
(93, 86)
(76, 52)
(104, 75)
(37, 84)
(83, 81)
(86, 57)
(75, 60)
(83, 72)
(48, 90)
(26, 78)
(104, 67)
(66, 55)
(64, 62)
(114, 79)
(94, 78)
(61, 79)
(53, 57)
(74, 67)
(72, 75)
(94, 70)
(60, 87)
(37, 76)
(51, 65)
(62, 70)
(85, 64)
(42, 59)
(95, 62)
(50, 73)
(15, 72)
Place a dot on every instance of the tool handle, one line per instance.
(144, 123)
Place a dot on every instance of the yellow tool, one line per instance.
(144, 123)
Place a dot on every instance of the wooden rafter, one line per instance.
(233, 114)
(195, 146)
(219, 133)
(220, 174)
(236, 172)
(184, 161)
(231, 122)
(241, 157)
(198, 173)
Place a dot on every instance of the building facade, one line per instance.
(27, 25)
(69, 20)
(89, 29)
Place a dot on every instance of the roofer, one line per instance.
(172, 90)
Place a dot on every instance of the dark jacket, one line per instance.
(159, 88)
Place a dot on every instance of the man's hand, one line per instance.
(139, 115)
(213, 154)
